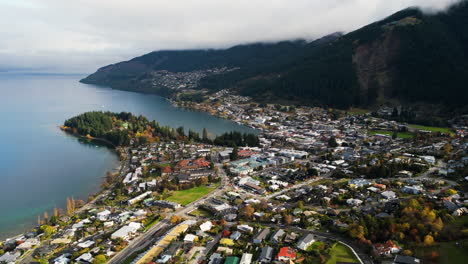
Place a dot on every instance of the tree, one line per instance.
(263, 204)
(288, 219)
(332, 142)
(56, 212)
(428, 240)
(238, 201)
(300, 205)
(100, 259)
(48, 230)
(356, 231)
(447, 148)
(407, 252)
(205, 135)
(234, 154)
(450, 192)
(175, 219)
(247, 212)
(46, 216)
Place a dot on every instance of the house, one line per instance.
(226, 242)
(353, 202)
(245, 228)
(388, 195)
(277, 236)
(189, 238)
(386, 249)
(412, 189)
(10, 257)
(29, 243)
(261, 235)
(358, 183)
(103, 215)
(286, 254)
(85, 258)
(216, 258)
(86, 244)
(63, 259)
(290, 238)
(405, 260)
(166, 204)
(231, 260)
(235, 235)
(266, 256)
(225, 250)
(206, 226)
(126, 231)
(305, 242)
(246, 258)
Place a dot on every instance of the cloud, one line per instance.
(82, 35)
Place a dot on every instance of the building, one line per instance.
(266, 256)
(246, 258)
(166, 204)
(261, 235)
(138, 198)
(305, 241)
(277, 236)
(206, 226)
(286, 254)
(386, 249)
(126, 231)
(231, 260)
(389, 195)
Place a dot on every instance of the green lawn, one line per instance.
(201, 212)
(449, 252)
(387, 132)
(341, 253)
(432, 129)
(151, 222)
(187, 196)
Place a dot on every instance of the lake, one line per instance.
(40, 166)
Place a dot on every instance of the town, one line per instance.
(322, 186)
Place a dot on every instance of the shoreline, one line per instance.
(121, 162)
(115, 168)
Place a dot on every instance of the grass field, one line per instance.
(201, 212)
(387, 132)
(341, 253)
(187, 196)
(432, 129)
(449, 252)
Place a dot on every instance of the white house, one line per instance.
(206, 226)
(103, 215)
(305, 242)
(126, 231)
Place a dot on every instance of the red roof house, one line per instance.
(285, 254)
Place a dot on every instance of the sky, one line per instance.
(79, 36)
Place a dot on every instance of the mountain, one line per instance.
(409, 57)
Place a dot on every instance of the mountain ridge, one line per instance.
(408, 57)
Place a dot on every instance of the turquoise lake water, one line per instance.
(40, 166)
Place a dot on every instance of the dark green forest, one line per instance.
(121, 129)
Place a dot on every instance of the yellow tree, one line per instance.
(428, 240)
(175, 219)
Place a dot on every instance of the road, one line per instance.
(146, 239)
(362, 256)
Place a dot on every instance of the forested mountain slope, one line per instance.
(409, 57)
